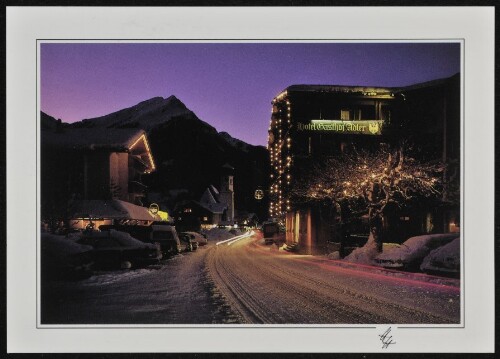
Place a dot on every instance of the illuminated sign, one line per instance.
(154, 208)
(366, 127)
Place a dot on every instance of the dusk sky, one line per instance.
(230, 86)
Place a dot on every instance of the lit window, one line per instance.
(188, 210)
(345, 115)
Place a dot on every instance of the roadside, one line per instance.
(176, 291)
(325, 261)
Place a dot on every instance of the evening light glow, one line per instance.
(228, 85)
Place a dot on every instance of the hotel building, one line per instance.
(312, 122)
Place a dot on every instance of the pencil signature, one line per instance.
(386, 339)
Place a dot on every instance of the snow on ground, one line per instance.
(443, 259)
(61, 246)
(414, 249)
(365, 254)
(103, 277)
(220, 234)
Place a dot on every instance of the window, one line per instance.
(345, 115)
(188, 210)
(386, 114)
(205, 219)
(367, 113)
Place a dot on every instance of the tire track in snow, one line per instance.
(267, 288)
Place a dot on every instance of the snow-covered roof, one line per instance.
(131, 140)
(211, 202)
(214, 190)
(217, 208)
(209, 196)
(119, 140)
(340, 89)
(370, 90)
(111, 209)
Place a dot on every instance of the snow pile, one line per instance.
(106, 278)
(365, 254)
(334, 255)
(413, 250)
(61, 246)
(443, 259)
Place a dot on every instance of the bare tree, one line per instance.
(371, 183)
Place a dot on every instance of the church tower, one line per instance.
(226, 193)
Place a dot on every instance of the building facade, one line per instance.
(310, 123)
(82, 167)
(213, 208)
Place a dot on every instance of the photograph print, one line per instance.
(256, 183)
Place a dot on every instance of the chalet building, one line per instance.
(312, 122)
(87, 172)
(214, 207)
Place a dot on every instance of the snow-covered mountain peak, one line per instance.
(146, 114)
(234, 141)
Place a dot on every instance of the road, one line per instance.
(267, 287)
(246, 282)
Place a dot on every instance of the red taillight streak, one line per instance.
(332, 267)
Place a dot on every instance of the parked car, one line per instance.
(167, 237)
(444, 260)
(164, 234)
(63, 258)
(273, 233)
(200, 238)
(115, 249)
(410, 254)
(189, 241)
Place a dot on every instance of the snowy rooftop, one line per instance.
(339, 88)
(111, 209)
(92, 138)
(364, 89)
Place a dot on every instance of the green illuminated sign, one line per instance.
(366, 127)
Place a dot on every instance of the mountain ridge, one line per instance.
(189, 152)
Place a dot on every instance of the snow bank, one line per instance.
(443, 259)
(60, 245)
(334, 255)
(365, 254)
(414, 249)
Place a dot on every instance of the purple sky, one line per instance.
(230, 86)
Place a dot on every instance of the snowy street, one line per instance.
(247, 282)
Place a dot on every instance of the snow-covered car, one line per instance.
(63, 258)
(164, 234)
(443, 260)
(189, 242)
(201, 239)
(410, 254)
(115, 249)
